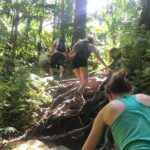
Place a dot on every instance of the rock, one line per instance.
(37, 145)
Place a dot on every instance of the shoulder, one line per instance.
(143, 96)
(56, 42)
(115, 106)
(92, 47)
(112, 111)
(77, 45)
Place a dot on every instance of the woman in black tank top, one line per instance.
(83, 49)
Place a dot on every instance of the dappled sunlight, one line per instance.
(31, 145)
(37, 145)
(94, 5)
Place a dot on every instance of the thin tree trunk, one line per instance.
(39, 44)
(41, 20)
(54, 22)
(62, 31)
(14, 34)
(27, 31)
(40, 25)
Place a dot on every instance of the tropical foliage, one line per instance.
(24, 36)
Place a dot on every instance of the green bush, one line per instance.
(135, 59)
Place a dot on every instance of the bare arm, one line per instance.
(95, 51)
(143, 98)
(72, 53)
(115, 108)
(96, 133)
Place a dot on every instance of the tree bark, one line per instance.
(79, 30)
(145, 15)
(27, 31)
(10, 48)
(40, 25)
(62, 30)
(54, 21)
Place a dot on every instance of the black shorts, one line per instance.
(57, 60)
(78, 62)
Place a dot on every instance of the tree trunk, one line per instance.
(27, 31)
(145, 15)
(10, 48)
(39, 44)
(54, 21)
(14, 34)
(40, 25)
(79, 30)
(62, 30)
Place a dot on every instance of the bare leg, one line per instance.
(51, 71)
(42, 68)
(61, 70)
(77, 74)
(42, 72)
(84, 79)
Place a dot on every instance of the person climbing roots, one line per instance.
(59, 50)
(80, 53)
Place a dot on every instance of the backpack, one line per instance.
(79, 46)
(61, 47)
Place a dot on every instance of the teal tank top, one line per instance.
(131, 130)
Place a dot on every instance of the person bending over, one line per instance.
(44, 63)
(80, 53)
(127, 115)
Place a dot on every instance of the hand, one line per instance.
(109, 69)
(71, 54)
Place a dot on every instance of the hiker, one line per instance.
(115, 55)
(80, 53)
(59, 50)
(127, 115)
(44, 63)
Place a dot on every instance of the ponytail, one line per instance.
(118, 83)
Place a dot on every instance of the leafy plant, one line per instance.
(136, 61)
